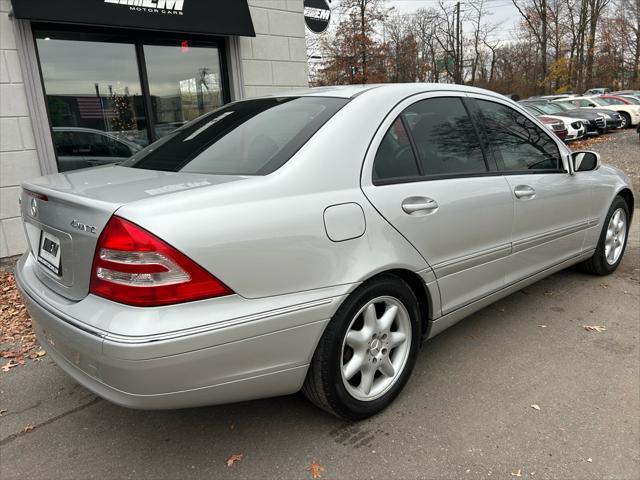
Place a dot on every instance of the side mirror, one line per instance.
(585, 161)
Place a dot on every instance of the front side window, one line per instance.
(613, 101)
(518, 143)
(252, 137)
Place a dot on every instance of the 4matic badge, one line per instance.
(171, 7)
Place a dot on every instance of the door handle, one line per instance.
(419, 206)
(524, 192)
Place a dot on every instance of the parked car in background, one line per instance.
(627, 92)
(615, 100)
(307, 241)
(588, 121)
(575, 127)
(605, 119)
(556, 126)
(630, 113)
(597, 91)
(85, 147)
(633, 99)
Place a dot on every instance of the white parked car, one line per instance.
(630, 113)
(576, 127)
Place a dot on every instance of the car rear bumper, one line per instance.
(232, 363)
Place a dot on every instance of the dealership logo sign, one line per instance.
(317, 14)
(173, 7)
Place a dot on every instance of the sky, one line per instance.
(502, 11)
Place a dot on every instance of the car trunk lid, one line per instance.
(65, 213)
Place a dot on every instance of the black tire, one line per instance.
(626, 119)
(324, 385)
(598, 265)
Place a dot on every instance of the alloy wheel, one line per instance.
(375, 348)
(616, 236)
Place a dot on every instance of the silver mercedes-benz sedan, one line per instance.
(306, 241)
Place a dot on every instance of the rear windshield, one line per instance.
(252, 137)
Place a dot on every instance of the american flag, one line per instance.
(93, 108)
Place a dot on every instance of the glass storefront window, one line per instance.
(105, 102)
(185, 82)
(93, 90)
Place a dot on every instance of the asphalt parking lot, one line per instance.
(468, 411)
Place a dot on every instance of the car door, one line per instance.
(427, 174)
(551, 205)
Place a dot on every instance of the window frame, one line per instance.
(469, 101)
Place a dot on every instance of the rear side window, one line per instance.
(439, 133)
(445, 139)
(395, 158)
(518, 143)
(613, 101)
(252, 137)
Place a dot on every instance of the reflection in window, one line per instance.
(184, 83)
(518, 143)
(445, 137)
(95, 102)
(394, 158)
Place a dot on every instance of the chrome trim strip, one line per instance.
(455, 316)
(449, 267)
(540, 239)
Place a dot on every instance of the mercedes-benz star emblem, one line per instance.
(33, 209)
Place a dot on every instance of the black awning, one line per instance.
(212, 17)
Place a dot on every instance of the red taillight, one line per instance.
(135, 267)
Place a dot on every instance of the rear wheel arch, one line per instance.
(627, 196)
(419, 289)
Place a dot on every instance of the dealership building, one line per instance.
(88, 82)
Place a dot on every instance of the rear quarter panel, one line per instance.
(266, 235)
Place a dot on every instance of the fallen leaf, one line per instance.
(3, 411)
(6, 367)
(535, 407)
(233, 459)
(594, 328)
(28, 428)
(232, 426)
(604, 285)
(517, 474)
(542, 326)
(548, 294)
(316, 470)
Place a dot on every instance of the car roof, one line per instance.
(352, 91)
